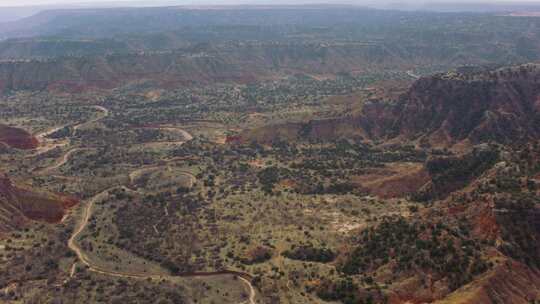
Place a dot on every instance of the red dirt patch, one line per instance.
(288, 183)
(19, 205)
(233, 140)
(509, 282)
(17, 138)
(486, 225)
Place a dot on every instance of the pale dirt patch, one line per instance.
(10, 287)
(348, 227)
(220, 140)
(153, 95)
(342, 223)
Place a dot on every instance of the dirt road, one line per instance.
(83, 258)
(251, 290)
(62, 160)
(103, 110)
(413, 75)
(87, 210)
(46, 144)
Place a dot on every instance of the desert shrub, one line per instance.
(310, 253)
(257, 255)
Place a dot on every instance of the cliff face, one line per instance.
(19, 205)
(443, 110)
(501, 106)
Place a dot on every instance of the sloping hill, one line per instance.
(17, 138)
(19, 205)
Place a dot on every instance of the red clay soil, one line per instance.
(233, 140)
(509, 282)
(288, 183)
(486, 225)
(47, 209)
(20, 205)
(414, 291)
(481, 213)
(17, 138)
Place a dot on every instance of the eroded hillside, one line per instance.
(445, 110)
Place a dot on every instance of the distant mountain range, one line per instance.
(138, 15)
(21, 10)
(104, 48)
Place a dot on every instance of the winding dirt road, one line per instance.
(47, 144)
(62, 161)
(251, 290)
(83, 258)
(103, 110)
(87, 214)
(185, 134)
(413, 75)
(72, 242)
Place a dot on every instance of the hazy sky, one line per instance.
(46, 2)
(9, 3)
(149, 2)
